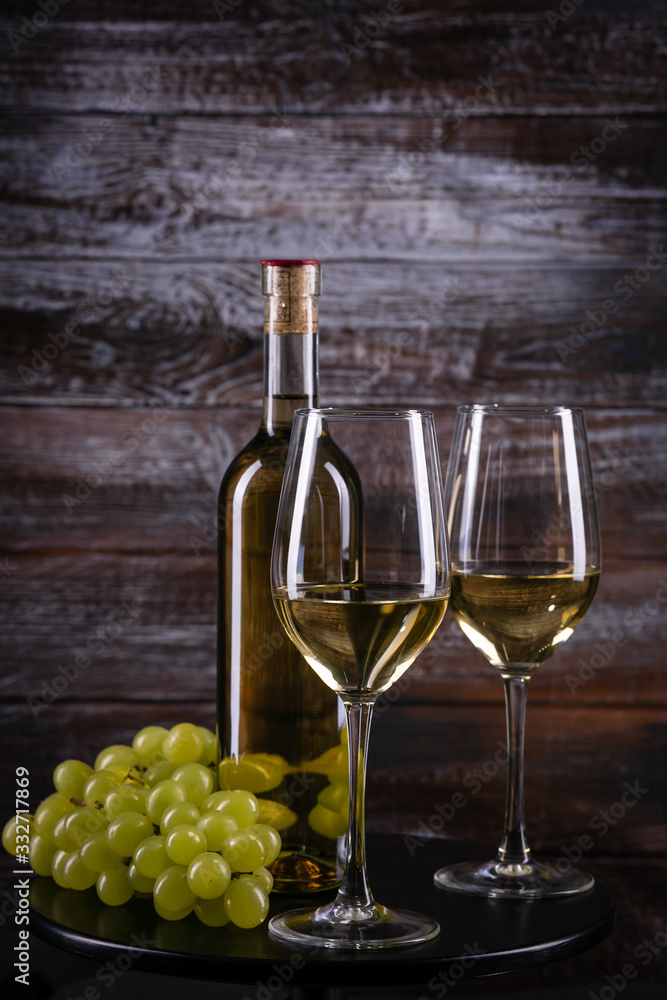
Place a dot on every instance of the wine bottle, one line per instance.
(278, 725)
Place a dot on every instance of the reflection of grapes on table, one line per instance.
(148, 820)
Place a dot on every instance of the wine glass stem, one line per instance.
(514, 850)
(354, 889)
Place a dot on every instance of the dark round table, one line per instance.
(478, 937)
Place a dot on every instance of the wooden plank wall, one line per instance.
(484, 182)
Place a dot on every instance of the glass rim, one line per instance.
(366, 413)
(520, 409)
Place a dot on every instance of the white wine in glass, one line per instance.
(525, 554)
(360, 622)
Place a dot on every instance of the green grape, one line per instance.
(161, 796)
(64, 840)
(214, 801)
(48, 811)
(58, 868)
(272, 840)
(182, 812)
(70, 777)
(159, 771)
(264, 876)
(334, 796)
(114, 887)
(216, 827)
(212, 912)
(124, 772)
(119, 755)
(96, 817)
(171, 890)
(246, 902)
(10, 834)
(243, 806)
(41, 854)
(254, 772)
(151, 858)
(126, 832)
(325, 822)
(84, 821)
(209, 754)
(96, 853)
(140, 883)
(208, 875)
(172, 914)
(333, 763)
(125, 798)
(77, 873)
(275, 814)
(244, 851)
(97, 786)
(183, 744)
(197, 781)
(148, 741)
(184, 842)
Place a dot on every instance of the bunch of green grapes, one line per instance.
(147, 820)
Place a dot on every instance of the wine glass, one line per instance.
(525, 555)
(360, 581)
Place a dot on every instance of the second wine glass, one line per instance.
(360, 580)
(525, 565)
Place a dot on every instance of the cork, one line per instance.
(291, 288)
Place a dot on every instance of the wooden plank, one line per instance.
(96, 480)
(109, 333)
(422, 58)
(388, 188)
(580, 761)
(84, 627)
(146, 480)
(99, 627)
(579, 764)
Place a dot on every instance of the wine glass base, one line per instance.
(354, 928)
(495, 880)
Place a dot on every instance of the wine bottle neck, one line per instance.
(290, 377)
(291, 289)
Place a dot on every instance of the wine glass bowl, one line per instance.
(360, 580)
(525, 557)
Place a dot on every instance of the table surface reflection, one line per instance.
(478, 937)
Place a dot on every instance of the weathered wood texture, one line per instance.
(124, 333)
(485, 185)
(146, 479)
(147, 627)
(426, 57)
(420, 189)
